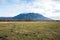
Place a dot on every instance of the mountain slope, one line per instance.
(31, 16)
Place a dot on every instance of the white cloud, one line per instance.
(44, 7)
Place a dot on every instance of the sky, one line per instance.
(47, 8)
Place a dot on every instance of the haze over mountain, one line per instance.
(30, 16)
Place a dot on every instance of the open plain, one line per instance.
(30, 30)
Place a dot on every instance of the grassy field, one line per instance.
(29, 30)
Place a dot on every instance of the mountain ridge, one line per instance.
(27, 16)
(31, 16)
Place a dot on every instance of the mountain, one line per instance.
(30, 16)
(6, 18)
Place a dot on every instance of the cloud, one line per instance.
(26, 1)
(11, 2)
(56, 11)
(58, 1)
(48, 8)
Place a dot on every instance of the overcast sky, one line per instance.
(48, 8)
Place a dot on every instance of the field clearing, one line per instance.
(30, 30)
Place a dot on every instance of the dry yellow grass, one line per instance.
(29, 30)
